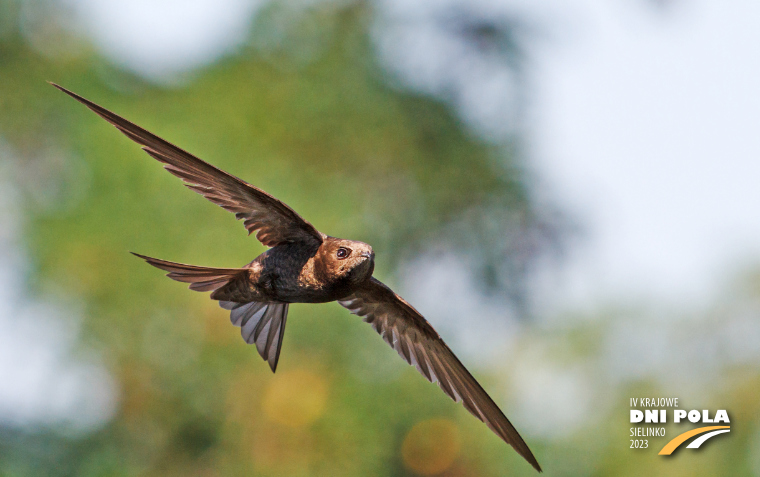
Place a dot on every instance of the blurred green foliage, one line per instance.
(305, 113)
(311, 122)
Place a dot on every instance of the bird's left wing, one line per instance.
(275, 222)
(415, 340)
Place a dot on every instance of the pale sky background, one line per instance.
(642, 120)
(647, 123)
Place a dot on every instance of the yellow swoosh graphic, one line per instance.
(681, 438)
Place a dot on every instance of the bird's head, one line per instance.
(347, 259)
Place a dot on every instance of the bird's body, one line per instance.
(304, 265)
(292, 273)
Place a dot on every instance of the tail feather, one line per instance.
(262, 324)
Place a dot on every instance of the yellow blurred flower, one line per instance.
(431, 446)
(295, 398)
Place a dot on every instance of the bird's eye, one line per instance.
(342, 253)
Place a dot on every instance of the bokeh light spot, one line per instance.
(431, 446)
(295, 398)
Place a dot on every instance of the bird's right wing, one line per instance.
(275, 222)
(415, 340)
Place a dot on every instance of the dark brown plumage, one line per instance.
(306, 266)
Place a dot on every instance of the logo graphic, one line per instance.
(707, 433)
(650, 418)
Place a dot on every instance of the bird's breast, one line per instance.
(287, 275)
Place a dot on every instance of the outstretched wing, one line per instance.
(402, 327)
(275, 222)
(201, 279)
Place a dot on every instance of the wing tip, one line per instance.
(69, 92)
(523, 451)
(534, 463)
(143, 257)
